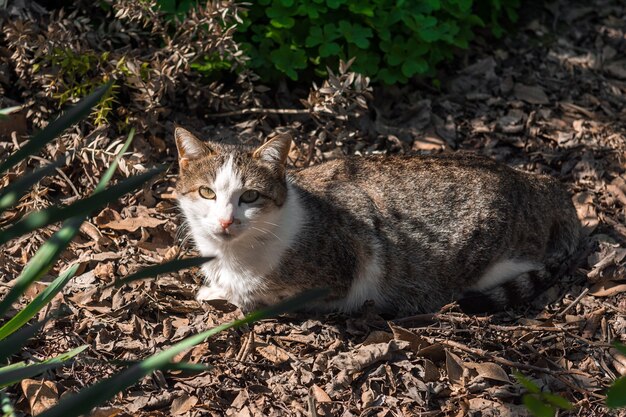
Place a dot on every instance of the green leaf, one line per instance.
(52, 248)
(316, 37)
(14, 191)
(329, 49)
(621, 348)
(11, 376)
(4, 113)
(42, 261)
(414, 66)
(54, 129)
(557, 401)
(14, 343)
(82, 207)
(356, 34)
(334, 4)
(616, 395)
(526, 383)
(17, 372)
(171, 266)
(88, 398)
(288, 59)
(37, 303)
(537, 407)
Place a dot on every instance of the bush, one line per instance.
(392, 40)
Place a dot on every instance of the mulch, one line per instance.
(547, 99)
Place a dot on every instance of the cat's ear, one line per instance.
(189, 146)
(275, 150)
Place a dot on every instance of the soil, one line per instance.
(548, 98)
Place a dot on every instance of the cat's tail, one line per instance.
(515, 292)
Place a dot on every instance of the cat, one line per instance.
(410, 233)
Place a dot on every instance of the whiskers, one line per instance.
(183, 234)
(266, 231)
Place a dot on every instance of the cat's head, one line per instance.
(228, 191)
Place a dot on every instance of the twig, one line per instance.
(573, 303)
(246, 348)
(61, 173)
(528, 328)
(519, 365)
(258, 110)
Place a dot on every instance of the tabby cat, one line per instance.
(410, 233)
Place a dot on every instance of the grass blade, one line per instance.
(16, 372)
(52, 248)
(38, 303)
(12, 193)
(14, 343)
(54, 129)
(616, 395)
(108, 174)
(11, 376)
(83, 207)
(42, 261)
(4, 113)
(166, 267)
(88, 398)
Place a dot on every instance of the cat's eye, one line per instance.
(206, 192)
(249, 196)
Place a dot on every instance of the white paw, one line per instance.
(211, 293)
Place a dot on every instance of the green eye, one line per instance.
(206, 192)
(249, 196)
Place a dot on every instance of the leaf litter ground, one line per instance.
(548, 99)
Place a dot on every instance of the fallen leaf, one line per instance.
(106, 412)
(274, 354)
(131, 224)
(41, 395)
(454, 368)
(319, 394)
(183, 404)
(377, 336)
(489, 370)
(416, 343)
(360, 358)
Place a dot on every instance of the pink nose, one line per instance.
(225, 223)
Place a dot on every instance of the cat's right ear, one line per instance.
(189, 146)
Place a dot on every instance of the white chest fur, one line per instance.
(238, 270)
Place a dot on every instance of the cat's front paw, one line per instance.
(206, 293)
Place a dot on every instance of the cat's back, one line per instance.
(406, 175)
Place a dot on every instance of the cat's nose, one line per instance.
(225, 223)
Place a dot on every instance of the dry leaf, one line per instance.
(183, 404)
(41, 395)
(359, 359)
(319, 394)
(131, 224)
(274, 354)
(106, 412)
(489, 370)
(454, 368)
(377, 336)
(416, 343)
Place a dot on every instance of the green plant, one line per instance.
(15, 332)
(616, 395)
(392, 40)
(541, 403)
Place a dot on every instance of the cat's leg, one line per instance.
(211, 293)
(504, 284)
